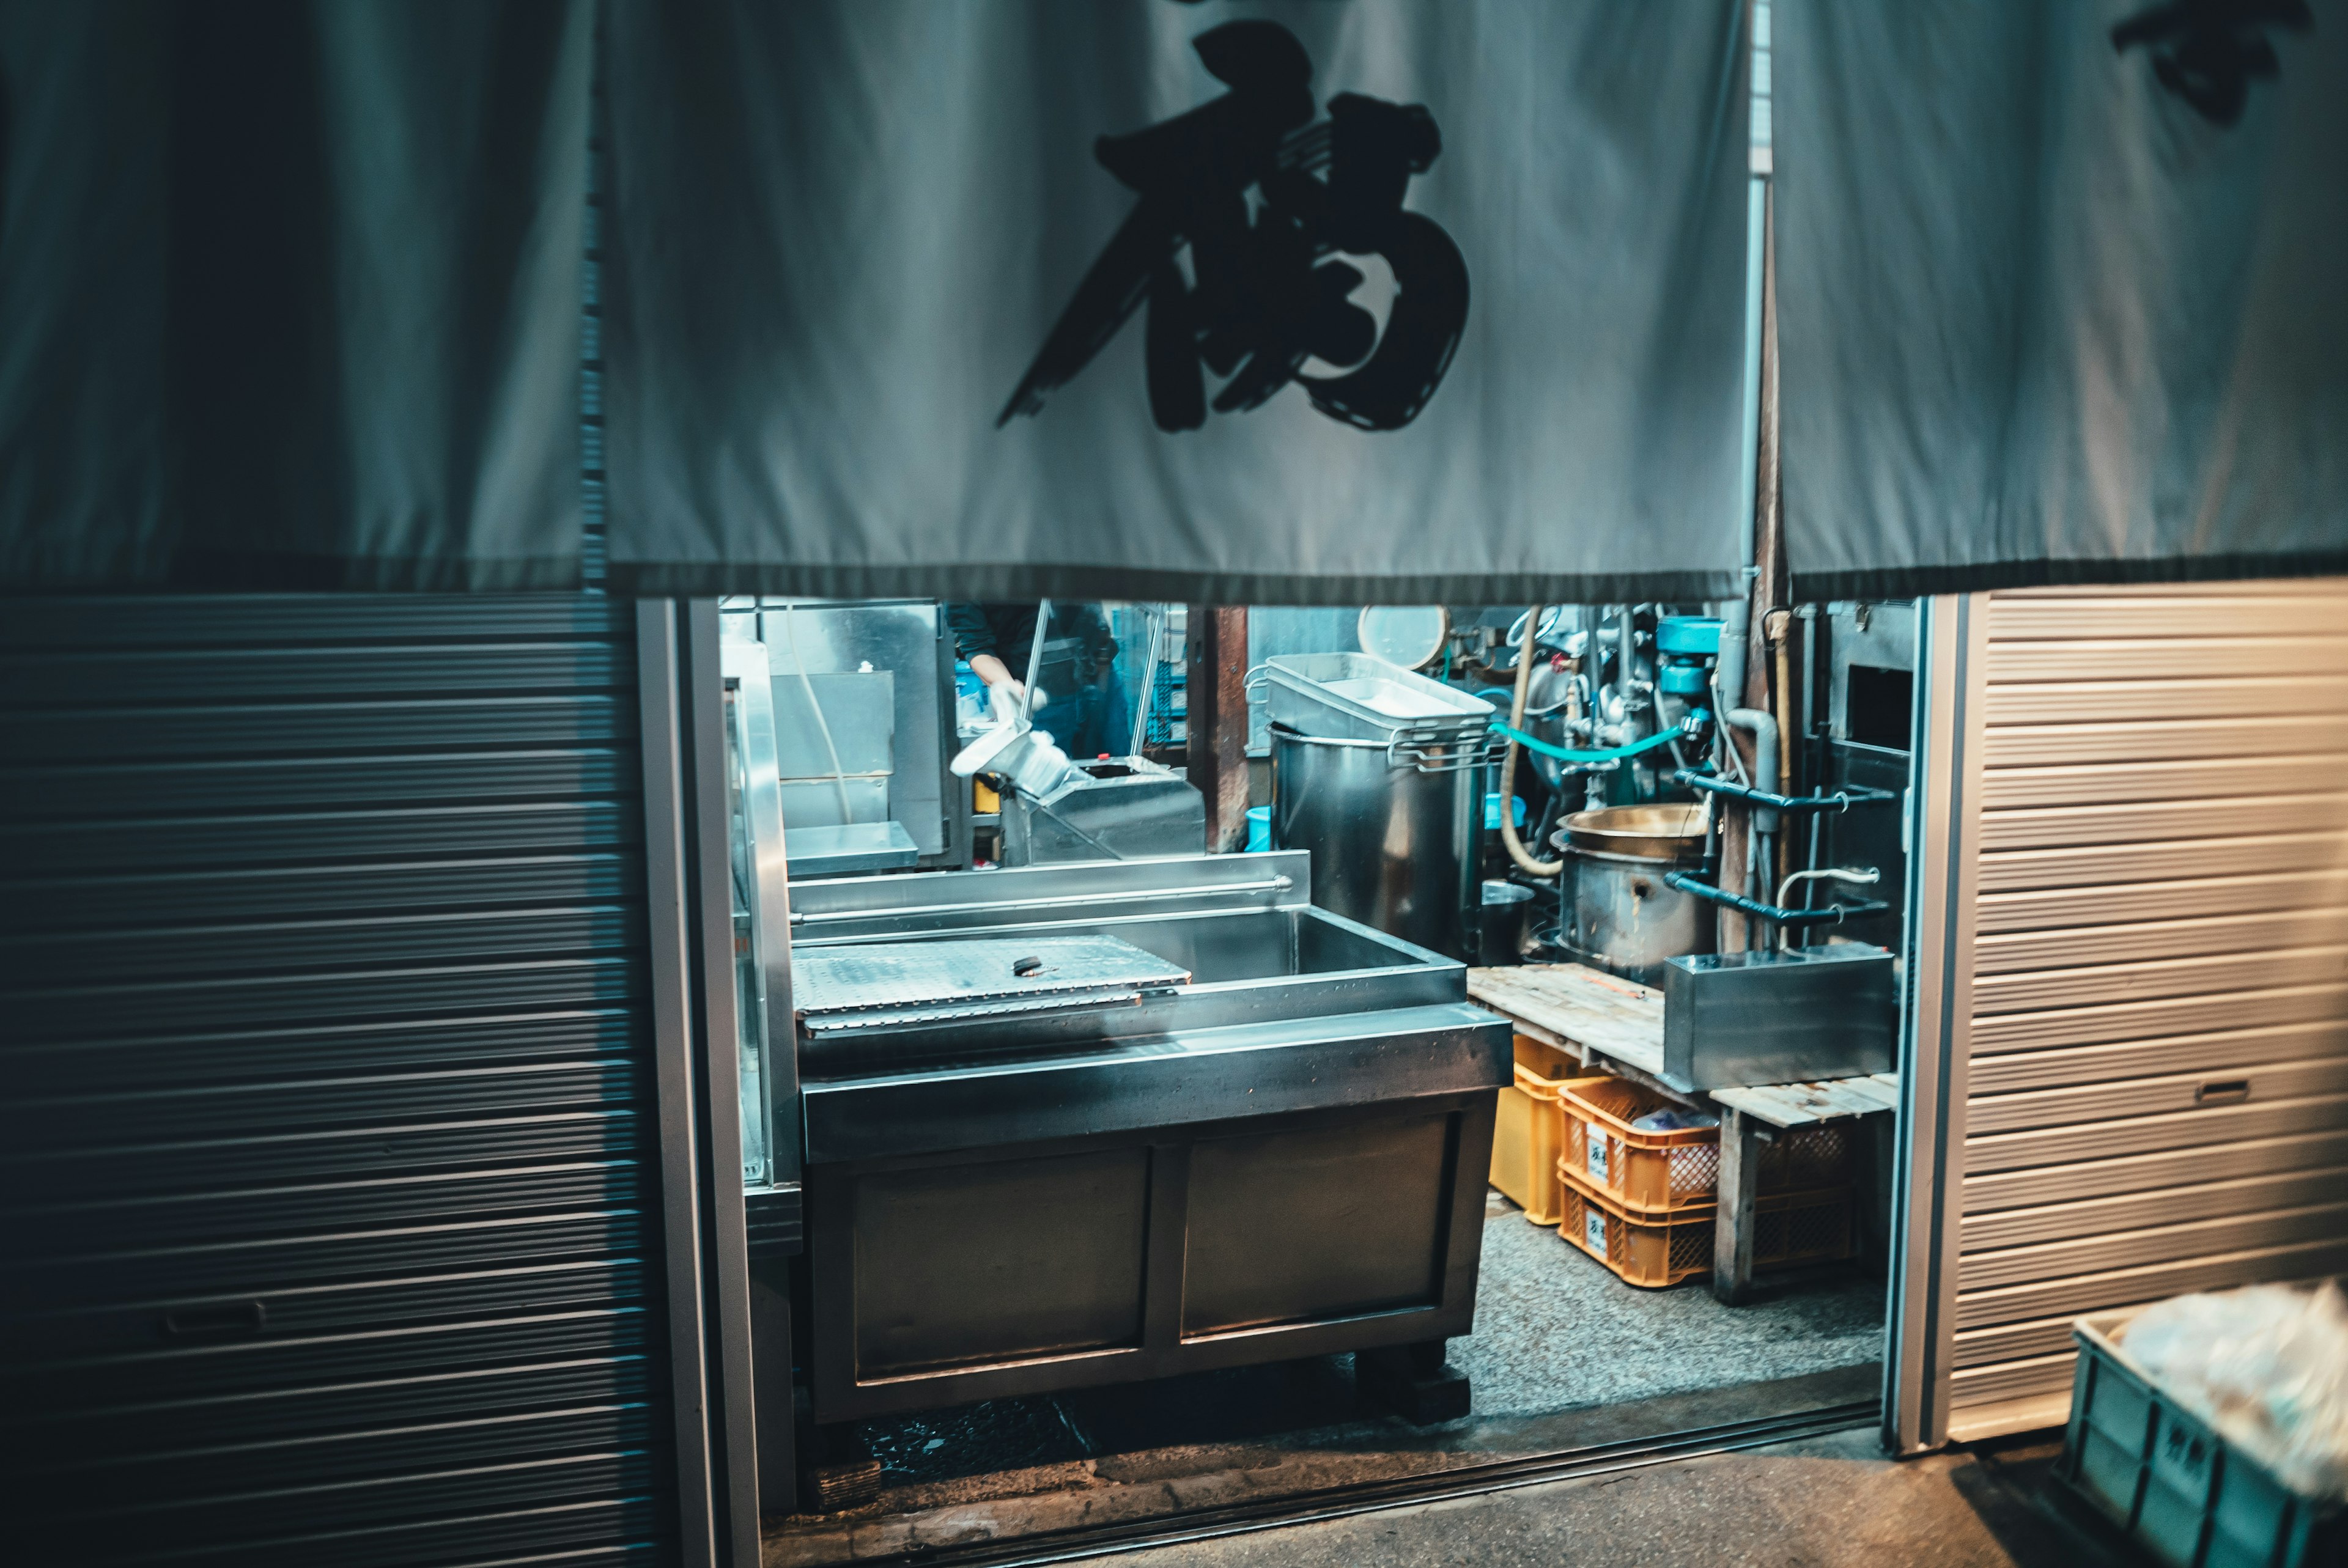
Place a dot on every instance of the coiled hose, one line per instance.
(1525, 860)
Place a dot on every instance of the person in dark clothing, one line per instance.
(1082, 709)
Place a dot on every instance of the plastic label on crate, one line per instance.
(1597, 1146)
(1593, 1230)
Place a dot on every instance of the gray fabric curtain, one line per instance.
(290, 293)
(1238, 302)
(2062, 292)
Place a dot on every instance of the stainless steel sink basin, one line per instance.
(1258, 953)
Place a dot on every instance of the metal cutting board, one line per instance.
(892, 984)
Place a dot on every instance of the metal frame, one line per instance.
(745, 666)
(695, 1046)
(1936, 1021)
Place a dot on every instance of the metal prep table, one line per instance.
(1282, 1156)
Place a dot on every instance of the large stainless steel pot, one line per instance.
(1391, 829)
(1620, 915)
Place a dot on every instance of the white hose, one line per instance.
(839, 774)
(1516, 845)
(1866, 879)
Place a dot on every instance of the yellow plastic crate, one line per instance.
(1526, 1129)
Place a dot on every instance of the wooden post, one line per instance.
(1740, 1185)
(1216, 698)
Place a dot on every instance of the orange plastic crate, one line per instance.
(1647, 1250)
(1657, 1173)
(1643, 1172)
(1656, 1250)
(1527, 1126)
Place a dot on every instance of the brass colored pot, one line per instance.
(1671, 832)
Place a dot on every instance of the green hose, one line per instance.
(1661, 738)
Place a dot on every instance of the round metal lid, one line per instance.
(1410, 635)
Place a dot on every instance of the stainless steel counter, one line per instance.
(1284, 1157)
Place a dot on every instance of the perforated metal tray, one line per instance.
(898, 984)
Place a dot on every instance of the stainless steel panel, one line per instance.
(1270, 1068)
(819, 802)
(858, 846)
(1737, 1018)
(858, 712)
(908, 638)
(859, 908)
(1123, 808)
(1393, 844)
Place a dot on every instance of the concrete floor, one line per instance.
(1564, 1356)
(1555, 1330)
(1829, 1502)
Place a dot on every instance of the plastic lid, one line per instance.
(1409, 635)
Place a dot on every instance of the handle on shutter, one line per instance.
(2222, 1092)
(210, 1322)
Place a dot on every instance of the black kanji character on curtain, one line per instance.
(2208, 51)
(1265, 196)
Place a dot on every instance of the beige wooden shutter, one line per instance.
(2154, 1030)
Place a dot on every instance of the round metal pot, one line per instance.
(1620, 913)
(1392, 832)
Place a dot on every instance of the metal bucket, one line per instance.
(1620, 913)
(1508, 911)
(1391, 829)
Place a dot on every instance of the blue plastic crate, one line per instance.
(2171, 1483)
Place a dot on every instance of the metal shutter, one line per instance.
(331, 1182)
(2157, 1098)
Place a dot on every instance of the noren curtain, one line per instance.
(2062, 292)
(1263, 303)
(290, 293)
